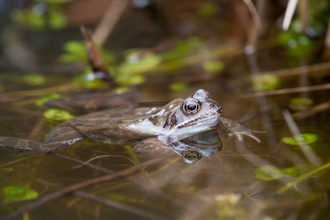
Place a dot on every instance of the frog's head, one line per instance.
(196, 114)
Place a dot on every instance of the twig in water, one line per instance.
(287, 91)
(57, 194)
(309, 154)
(302, 178)
(303, 14)
(292, 4)
(254, 13)
(37, 128)
(143, 186)
(120, 206)
(109, 20)
(300, 70)
(314, 110)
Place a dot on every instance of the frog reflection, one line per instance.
(189, 127)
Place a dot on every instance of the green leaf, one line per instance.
(127, 79)
(268, 172)
(207, 9)
(297, 170)
(8, 169)
(179, 86)
(213, 66)
(301, 102)
(18, 193)
(57, 20)
(134, 64)
(308, 137)
(34, 79)
(295, 44)
(120, 89)
(57, 114)
(183, 49)
(2, 89)
(87, 79)
(40, 102)
(75, 53)
(266, 82)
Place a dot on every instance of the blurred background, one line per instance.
(265, 62)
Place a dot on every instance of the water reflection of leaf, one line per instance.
(45, 98)
(75, 53)
(268, 172)
(297, 170)
(57, 114)
(18, 193)
(213, 66)
(266, 82)
(34, 79)
(308, 137)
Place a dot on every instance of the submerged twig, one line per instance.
(37, 128)
(39, 92)
(312, 111)
(303, 14)
(309, 154)
(144, 186)
(254, 13)
(10, 128)
(326, 53)
(57, 194)
(101, 156)
(120, 206)
(299, 70)
(302, 178)
(109, 20)
(287, 91)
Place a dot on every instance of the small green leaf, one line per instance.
(57, 114)
(134, 64)
(18, 193)
(40, 102)
(296, 44)
(179, 86)
(213, 66)
(75, 53)
(8, 169)
(127, 79)
(207, 9)
(87, 79)
(2, 89)
(268, 172)
(308, 137)
(301, 102)
(34, 79)
(266, 82)
(183, 49)
(57, 20)
(120, 89)
(297, 170)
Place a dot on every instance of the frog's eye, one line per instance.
(191, 157)
(191, 107)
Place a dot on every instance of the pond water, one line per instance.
(201, 45)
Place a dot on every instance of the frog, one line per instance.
(189, 127)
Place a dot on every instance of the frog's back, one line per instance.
(110, 126)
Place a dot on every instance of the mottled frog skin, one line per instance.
(190, 127)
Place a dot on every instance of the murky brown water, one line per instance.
(224, 186)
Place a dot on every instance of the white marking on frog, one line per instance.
(70, 142)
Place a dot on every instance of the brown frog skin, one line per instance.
(189, 127)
